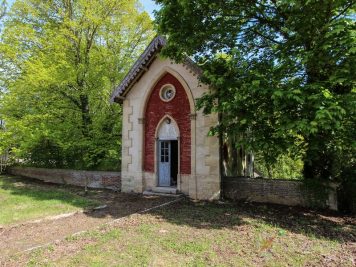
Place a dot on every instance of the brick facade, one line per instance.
(143, 110)
(178, 108)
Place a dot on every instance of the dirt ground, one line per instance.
(188, 233)
(295, 232)
(26, 236)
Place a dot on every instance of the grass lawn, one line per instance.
(209, 234)
(23, 199)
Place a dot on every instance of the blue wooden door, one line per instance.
(164, 165)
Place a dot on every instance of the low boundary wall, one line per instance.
(286, 192)
(93, 179)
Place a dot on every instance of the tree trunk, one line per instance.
(86, 120)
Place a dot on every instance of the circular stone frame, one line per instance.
(167, 92)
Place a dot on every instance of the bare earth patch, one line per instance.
(206, 234)
(23, 236)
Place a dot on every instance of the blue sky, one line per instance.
(149, 6)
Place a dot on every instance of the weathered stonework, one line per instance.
(199, 175)
(91, 179)
(285, 192)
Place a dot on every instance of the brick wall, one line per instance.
(178, 108)
(94, 179)
(286, 192)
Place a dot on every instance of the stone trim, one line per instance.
(127, 141)
(130, 134)
(193, 116)
(164, 87)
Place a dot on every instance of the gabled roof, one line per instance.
(141, 66)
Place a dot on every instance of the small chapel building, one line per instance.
(165, 141)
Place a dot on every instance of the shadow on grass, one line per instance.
(200, 215)
(318, 224)
(117, 204)
(40, 191)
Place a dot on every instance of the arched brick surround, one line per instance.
(143, 111)
(179, 109)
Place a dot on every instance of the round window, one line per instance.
(167, 93)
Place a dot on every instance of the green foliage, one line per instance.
(2, 9)
(282, 73)
(45, 153)
(60, 61)
(285, 167)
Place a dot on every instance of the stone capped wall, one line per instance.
(93, 179)
(285, 192)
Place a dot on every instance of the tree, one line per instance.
(62, 59)
(282, 73)
(2, 9)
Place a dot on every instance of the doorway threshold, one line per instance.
(165, 189)
(152, 193)
(170, 191)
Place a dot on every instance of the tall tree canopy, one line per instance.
(60, 61)
(282, 73)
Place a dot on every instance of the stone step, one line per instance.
(165, 190)
(151, 193)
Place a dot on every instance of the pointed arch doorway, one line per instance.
(168, 153)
